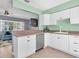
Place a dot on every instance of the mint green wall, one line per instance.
(65, 25)
(18, 4)
(67, 5)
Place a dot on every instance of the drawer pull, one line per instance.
(75, 51)
(58, 37)
(28, 40)
(75, 43)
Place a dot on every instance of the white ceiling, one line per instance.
(45, 4)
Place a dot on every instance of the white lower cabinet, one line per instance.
(25, 45)
(52, 40)
(47, 38)
(62, 42)
(59, 42)
(74, 45)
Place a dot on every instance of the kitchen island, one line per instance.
(24, 43)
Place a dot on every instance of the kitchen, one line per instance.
(47, 31)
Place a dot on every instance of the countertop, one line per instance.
(25, 32)
(66, 32)
(30, 32)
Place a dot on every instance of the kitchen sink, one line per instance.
(61, 32)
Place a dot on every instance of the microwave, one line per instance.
(34, 22)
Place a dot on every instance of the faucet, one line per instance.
(60, 30)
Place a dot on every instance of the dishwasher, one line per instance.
(39, 41)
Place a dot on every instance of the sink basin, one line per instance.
(61, 32)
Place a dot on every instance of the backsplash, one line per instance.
(64, 24)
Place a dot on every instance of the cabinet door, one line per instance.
(59, 42)
(46, 19)
(32, 44)
(74, 15)
(53, 19)
(46, 39)
(26, 45)
(62, 42)
(65, 14)
(41, 20)
(52, 41)
(23, 45)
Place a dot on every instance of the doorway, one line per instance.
(5, 39)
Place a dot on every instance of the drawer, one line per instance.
(74, 37)
(74, 45)
(74, 42)
(28, 36)
(75, 51)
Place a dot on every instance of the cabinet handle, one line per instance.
(58, 37)
(75, 43)
(28, 40)
(75, 51)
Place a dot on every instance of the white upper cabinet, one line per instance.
(53, 19)
(74, 16)
(59, 16)
(41, 21)
(64, 14)
(46, 19)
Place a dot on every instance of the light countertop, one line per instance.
(30, 32)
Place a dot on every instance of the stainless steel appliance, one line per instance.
(39, 41)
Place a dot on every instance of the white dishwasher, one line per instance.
(39, 41)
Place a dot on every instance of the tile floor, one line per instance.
(50, 53)
(6, 52)
(5, 49)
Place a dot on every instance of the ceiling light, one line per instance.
(27, 1)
